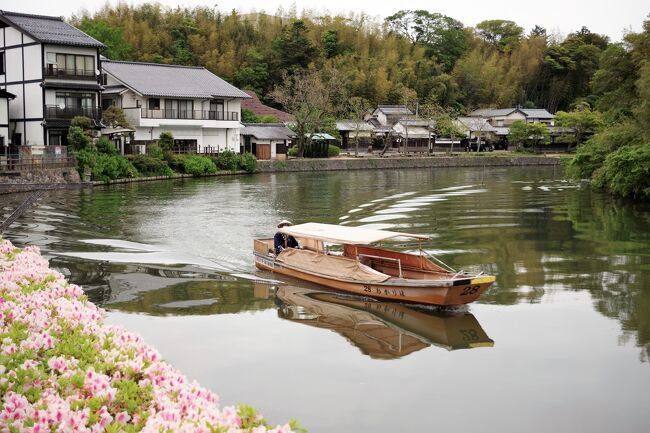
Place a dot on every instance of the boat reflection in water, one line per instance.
(381, 330)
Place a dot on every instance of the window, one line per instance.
(71, 64)
(216, 109)
(179, 109)
(154, 103)
(2, 63)
(75, 100)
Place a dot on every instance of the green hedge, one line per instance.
(150, 166)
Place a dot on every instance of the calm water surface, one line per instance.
(561, 342)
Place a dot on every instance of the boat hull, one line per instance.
(443, 292)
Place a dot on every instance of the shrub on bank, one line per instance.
(150, 166)
(197, 165)
(247, 162)
(227, 160)
(333, 151)
(63, 369)
(111, 167)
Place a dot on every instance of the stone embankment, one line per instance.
(50, 179)
(63, 369)
(397, 163)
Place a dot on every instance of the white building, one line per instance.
(53, 69)
(5, 97)
(199, 109)
(267, 140)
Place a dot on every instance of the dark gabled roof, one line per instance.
(393, 109)
(161, 80)
(50, 30)
(537, 113)
(6, 95)
(267, 131)
(256, 106)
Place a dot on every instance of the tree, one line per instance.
(503, 34)
(538, 32)
(166, 141)
(77, 138)
(518, 134)
(582, 121)
(293, 48)
(254, 73)
(116, 47)
(442, 122)
(357, 109)
(444, 37)
(538, 134)
(331, 44)
(114, 117)
(308, 98)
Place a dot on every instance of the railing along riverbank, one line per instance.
(63, 369)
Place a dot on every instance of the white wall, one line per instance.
(13, 37)
(14, 62)
(33, 100)
(33, 63)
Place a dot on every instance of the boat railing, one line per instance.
(399, 262)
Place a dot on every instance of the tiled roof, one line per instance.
(256, 106)
(51, 30)
(114, 90)
(537, 113)
(351, 125)
(393, 109)
(160, 80)
(476, 124)
(267, 131)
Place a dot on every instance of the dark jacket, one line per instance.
(282, 241)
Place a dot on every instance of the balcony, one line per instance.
(69, 74)
(189, 114)
(67, 113)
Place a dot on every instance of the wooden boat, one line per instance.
(381, 330)
(364, 268)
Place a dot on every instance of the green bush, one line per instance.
(86, 158)
(626, 172)
(247, 162)
(293, 150)
(109, 167)
(333, 150)
(103, 166)
(227, 160)
(166, 140)
(155, 151)
(77, 139)
(106, 146)
(150, 166)
(175, 161)
(197, 165)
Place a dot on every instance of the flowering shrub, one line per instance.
(62, 369)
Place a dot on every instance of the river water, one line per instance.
(560, 343)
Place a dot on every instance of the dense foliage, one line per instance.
(433, 55)
(617, 157)
(308, 64)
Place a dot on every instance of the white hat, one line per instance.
(284, 223)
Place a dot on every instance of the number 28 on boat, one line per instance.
(363, 267)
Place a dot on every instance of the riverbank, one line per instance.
(483, 160)
(63, 369)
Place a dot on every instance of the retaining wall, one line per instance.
(403, 162)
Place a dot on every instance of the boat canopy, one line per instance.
(343, 234)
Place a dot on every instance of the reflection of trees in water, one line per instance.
(615, 236)
(200, 297)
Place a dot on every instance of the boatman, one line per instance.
(282, 241)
